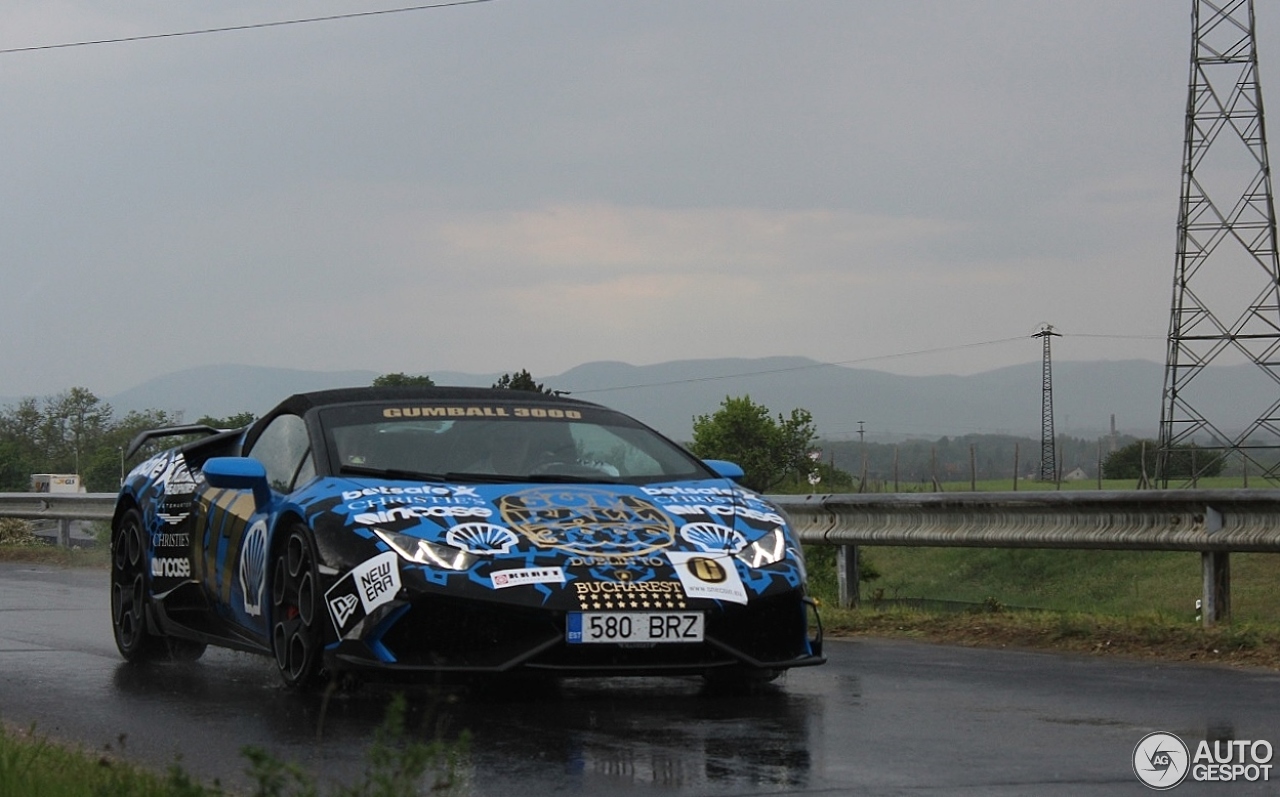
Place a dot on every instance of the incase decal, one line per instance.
(171, 568)
(411, 512)
(368, 586)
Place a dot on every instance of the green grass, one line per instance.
(402, 762)
(1115, 583)
(1157, 584)
(34, 766)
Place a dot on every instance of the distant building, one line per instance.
(1075, 475)
(56, 483)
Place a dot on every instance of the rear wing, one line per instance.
(169, 431)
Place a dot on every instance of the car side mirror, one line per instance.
(239, 473)
(726, 469)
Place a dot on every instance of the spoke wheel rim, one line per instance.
(128, 586)
(294, 638)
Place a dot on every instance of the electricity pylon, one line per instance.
(1226, 289)
(1048, 447)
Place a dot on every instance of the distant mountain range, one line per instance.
(842, 400)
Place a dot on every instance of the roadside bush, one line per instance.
(16, 532)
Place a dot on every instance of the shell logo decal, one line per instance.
(714, 537)
(253, 567)
(481, 538)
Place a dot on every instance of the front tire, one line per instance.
(297, 632)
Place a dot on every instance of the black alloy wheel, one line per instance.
(129, 591)
(297, 621)
(129, 600)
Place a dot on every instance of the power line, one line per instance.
(253, 26)
(798, 367)
(861, 360)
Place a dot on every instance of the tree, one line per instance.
(19, 429)
(521, 381)
(1126, 462)
(768, 450)
(106, 464)
(15, 468)
(401, 379)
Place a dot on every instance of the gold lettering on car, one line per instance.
(708, 570)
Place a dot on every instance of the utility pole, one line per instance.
(1226, 289)
(1048, 452)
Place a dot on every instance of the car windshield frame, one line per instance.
(498, 441)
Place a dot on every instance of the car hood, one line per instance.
(560, 546)
(608, 522)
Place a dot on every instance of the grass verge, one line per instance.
(400, 764)
(1142, 637)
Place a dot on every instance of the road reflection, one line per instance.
(585, 735)
(665, 732)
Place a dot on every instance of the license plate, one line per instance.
(633, 627)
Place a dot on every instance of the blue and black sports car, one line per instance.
(413, 531)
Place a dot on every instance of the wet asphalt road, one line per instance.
(881, 718)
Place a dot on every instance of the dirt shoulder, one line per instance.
(1137, 638)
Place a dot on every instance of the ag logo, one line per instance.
(1160, 761)
(708, 570)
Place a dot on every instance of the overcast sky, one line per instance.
(541, 183)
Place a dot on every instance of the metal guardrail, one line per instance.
(57, 506)
(1134, 520)
(1210, 522)
(60, 507)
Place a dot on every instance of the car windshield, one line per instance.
(500, 441)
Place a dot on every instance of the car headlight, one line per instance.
(768, 550)
(425, 552)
